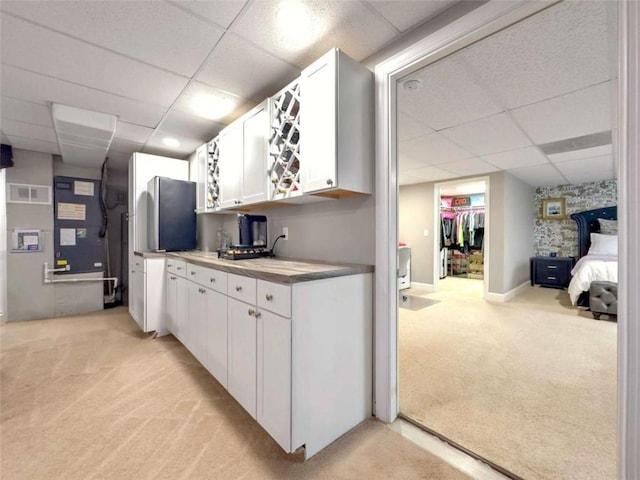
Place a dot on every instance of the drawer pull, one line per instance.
(179, 268)
(202, 290)
(251, 312)
(552, 266)
(193, 272)
(173, 278)
(212, 280)
(257, 314)
(169, 265)
(269, 297)
(551, 278)
(238, 288)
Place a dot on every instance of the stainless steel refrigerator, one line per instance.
(172, 214)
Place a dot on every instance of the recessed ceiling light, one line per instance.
(414, 84)
(212, 107)
(294, 20)
(171, 142)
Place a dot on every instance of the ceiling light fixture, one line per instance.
(294, 20)
(212, 107)
(413, 84)
(171, 142)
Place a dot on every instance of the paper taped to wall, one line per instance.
(72, 211)
(67, 237)
(83, 188)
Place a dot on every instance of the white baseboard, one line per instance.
(505, 297)
(423, 286)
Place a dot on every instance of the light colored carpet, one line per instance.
(529, 384)
(91, 397)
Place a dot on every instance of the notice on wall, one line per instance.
(83, 188)
(67, 237)
(72, 211)
(26, 241)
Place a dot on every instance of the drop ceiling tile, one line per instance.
(183, 125)
(224, 106)
(33, 144)
(432, 149)
(186, 147)
(43, 51)
(523, 157)
(573, 115)
(470, 166)
(29, 112)
(407, 14)
(18, 83)
(132, 132)
(124, 146)
(429, 174)
(240, 67)
(409, 127)
(586, 165)
(144, 30)
(15, 128)
(448, 96)
(404, 179)
(556, 51)
(584, 153)
(355, 28)
(220, 12)
(539, 175)
(494, 134)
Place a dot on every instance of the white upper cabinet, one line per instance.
(231, 147)
(336, 126)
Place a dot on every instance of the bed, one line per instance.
(599, 266)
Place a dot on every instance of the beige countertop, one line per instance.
(280, 270)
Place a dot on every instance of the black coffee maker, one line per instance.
(253, 239)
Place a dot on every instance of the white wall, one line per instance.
(415, 213)
(3, 245)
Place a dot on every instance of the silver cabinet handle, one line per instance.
(179, 268)
(552, 266)
(202, 290)
(257, 314)
(238, 288)
(251, 312)
(551, 278)
(173, 278)
(269, 297)
(329, 181)
(193, 272)
(212, 280)
(169, 264)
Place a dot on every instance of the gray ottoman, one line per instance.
(603, 298)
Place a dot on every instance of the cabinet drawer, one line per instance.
(177, 267)
(242, 288)
(274, 297)
(208, 277)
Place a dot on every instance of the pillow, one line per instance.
(603, 244)
(608, 227)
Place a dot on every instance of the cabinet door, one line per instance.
(216, 337)
(171, 303)
(318, 124)
(182, 308)
(195, 324)
(274, 377)
(198, 174)
(136, 292)
(254, 169)
(242, 354)
(230, 161)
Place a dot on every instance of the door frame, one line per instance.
(486, 254)
(479, 23)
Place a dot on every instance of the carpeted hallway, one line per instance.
(91, 397)
(529, 384)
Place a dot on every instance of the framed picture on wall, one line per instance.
(554, 208)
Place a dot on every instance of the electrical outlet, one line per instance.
(285, 232)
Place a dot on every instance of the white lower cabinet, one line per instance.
(242, 354)
(146, 293)
(196, 324)
(216, 336)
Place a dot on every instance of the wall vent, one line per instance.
(24, 193)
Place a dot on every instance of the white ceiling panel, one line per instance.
(586, 165)
(18, 83)
(124, 146)
(187, 145)
(470, 166)
(15, 109)
(39, 50)
(144, 30)
(448, 96)
(572, 115)
(238, 66)
(539, 175)
(220, 12)
(189, 126)
(497, 133)
(28, 130)
(409, 127)
(524, 157)
(404, 15)
(225, 107)
(404, 179)
(132, 132)
(559, 50)
(584, 153)
(33, 144)
(428, 174)
(351, 25)
(433, 149)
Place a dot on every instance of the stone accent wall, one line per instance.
(562, 235)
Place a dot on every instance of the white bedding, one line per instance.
(592, 268)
